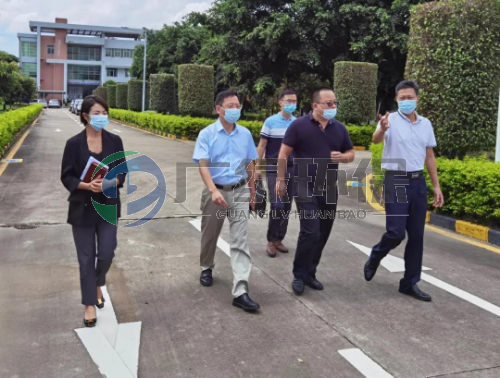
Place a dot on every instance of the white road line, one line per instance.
(76, 121)
(118, 131)
(481, 303)
(364, 364)
(221, 243)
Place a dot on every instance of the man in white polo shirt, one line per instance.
(408, 145)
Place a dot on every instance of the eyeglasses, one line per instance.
(232, 106)
(330, 104)
(290, 102)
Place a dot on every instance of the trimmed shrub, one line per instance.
(361, 135)
(135, 95)
(196, 89)
(471, 187)
(163, 94)
(13, 121)
(355, 84)
(112, 96)
(454, 55)
(122, 96)
(102, 92)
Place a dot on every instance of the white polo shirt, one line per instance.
(407, 140)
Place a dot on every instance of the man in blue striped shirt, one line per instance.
(271, 136)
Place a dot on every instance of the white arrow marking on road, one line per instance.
(221, 243)
(438, 283)
(58, 130)
(113, 347)
(364, 364)
(392, 263)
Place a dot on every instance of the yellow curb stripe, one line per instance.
(473, 230)
(450, 234)
(359, 148)
(16, 147)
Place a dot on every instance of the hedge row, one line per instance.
(122, 96)
(112, 96)
(11, 122)
(102, 92)
(356, 89)
(135, 95)
(186, 126)
(471, 187)
(196, 89)
(163, 94)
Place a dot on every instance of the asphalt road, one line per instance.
(192, 331)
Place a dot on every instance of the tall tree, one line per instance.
(6, 57)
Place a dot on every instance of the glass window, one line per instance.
(28, 49)
(50, 49)
(111, 72)
(84, 53)
(117, 53)
(77, 72)
(109, 52)
(29, 70)
(127, 73)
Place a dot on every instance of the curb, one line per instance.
(462, 227)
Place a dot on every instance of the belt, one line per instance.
(325, 188)
(409, 175)
(228, 188)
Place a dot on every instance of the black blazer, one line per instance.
(75, 158)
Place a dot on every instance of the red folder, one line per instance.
(102, 172)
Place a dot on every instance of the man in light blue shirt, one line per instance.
(271, 136)
(225, 152)
(408, 145)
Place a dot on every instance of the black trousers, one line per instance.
(406, 208)
(316, 214)
(279, 209)
(93, 274)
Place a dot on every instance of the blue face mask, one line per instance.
(232, 115)
(407, 106)
(98, 122)
(329, 113)
(289, 109)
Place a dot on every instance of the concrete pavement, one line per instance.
(192, 331)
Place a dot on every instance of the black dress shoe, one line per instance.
(416, 293)
(313, 283)
(100, 303)
(244, 302)
(298, 286)
(90, 322)
(371, 268)
(206, 277)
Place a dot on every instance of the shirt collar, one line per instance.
(407, 119)
(220, 127)
(311, 117)
(283, 118)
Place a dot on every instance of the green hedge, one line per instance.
(454, 54)
(12, 121)
(471, 187)
(112, 96)
(135, 95)
(122, 96)
(196, 89)
(102, 92)
(163, 94)
(186, 126)
(355, 85)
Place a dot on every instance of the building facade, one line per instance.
(68, 61)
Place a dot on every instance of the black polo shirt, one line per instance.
(309, 141)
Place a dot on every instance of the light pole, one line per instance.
(497, 150)
(144, 70)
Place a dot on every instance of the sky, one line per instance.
(15, 15)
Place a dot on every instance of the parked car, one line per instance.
(44, 103)
(71, 104)
(75, 105)
(55, 104)
(79, 107)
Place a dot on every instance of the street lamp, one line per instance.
(144, 70)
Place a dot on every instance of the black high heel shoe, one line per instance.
(90, 322)
(100, 302)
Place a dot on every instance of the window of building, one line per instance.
(77, 72)
(127, 73)
(119, 53)
(28, 49)
(84, 53)
(28, 70)
(111, 72)
(50, 49)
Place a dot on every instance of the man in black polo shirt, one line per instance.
(319, 143)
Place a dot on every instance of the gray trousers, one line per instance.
(211, 225)
(92, 274)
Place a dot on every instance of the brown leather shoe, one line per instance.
(280, 247)
(271, 249)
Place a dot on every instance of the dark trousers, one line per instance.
(92, 274)
(316, 221)
(406, 208)
(280, 208)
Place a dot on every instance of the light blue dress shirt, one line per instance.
(407, 140)
(217, 146)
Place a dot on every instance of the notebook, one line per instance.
(92, 164)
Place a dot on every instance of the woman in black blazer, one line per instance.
(86, 223)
